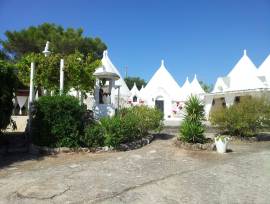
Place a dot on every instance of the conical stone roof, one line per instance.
(244, 75)
(195, 87)
(108, 65)
(162, 79)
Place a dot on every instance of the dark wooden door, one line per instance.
(160, 105)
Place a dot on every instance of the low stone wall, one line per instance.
(136, 144)
(34, 149)
(209, 146)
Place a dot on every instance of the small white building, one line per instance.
(264, 72)
(185, 91)
(135, 95)
(163, 92)
(243, 80)
(196, 88)
(191, 89)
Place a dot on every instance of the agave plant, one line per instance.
(192, 128)
(194, 109)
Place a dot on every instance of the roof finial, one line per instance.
(162, 62)
(195, 76)
(245, 52)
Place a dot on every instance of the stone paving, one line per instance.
(156, 173)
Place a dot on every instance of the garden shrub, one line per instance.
(113, 134)
(120, 129)
(192, 128)
(94, 136)
(148, 119)
(8, 87)
(245, 118)
(192, 132)
(57, 121)
(131, 124)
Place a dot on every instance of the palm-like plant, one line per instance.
(194, 109)
(192, 128)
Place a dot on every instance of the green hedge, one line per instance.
(245, 118)
(8, 87)
(93, 136)
(57, 121)
(128, 125)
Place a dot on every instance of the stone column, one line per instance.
(31, 91)
(96, 92)
(229, 99)
(208, 105)
(113, 93)
(31, 99)
(61, 76)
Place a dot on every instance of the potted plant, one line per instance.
(221, 142)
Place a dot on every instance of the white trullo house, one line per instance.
(242, 81)
(264, 72)
(135, 95)
(188, 89)
(162, 91)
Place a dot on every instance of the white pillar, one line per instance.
(118, 98)
(96, 92)
(208, 105)
(229, 99)
(31, 91)
(113, 93)
(31, 95)
(61, 76)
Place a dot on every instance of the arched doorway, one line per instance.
(159, 103)
(135, 98)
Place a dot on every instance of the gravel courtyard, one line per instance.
(157, 173)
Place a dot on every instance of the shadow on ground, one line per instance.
(11, 158)
(163, 136)
(14, 147)
(265, 136)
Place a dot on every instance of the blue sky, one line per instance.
(203, 37)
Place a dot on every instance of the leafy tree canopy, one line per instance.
(78, 71)
(3, 55)
(62, 41)
(139, 82)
